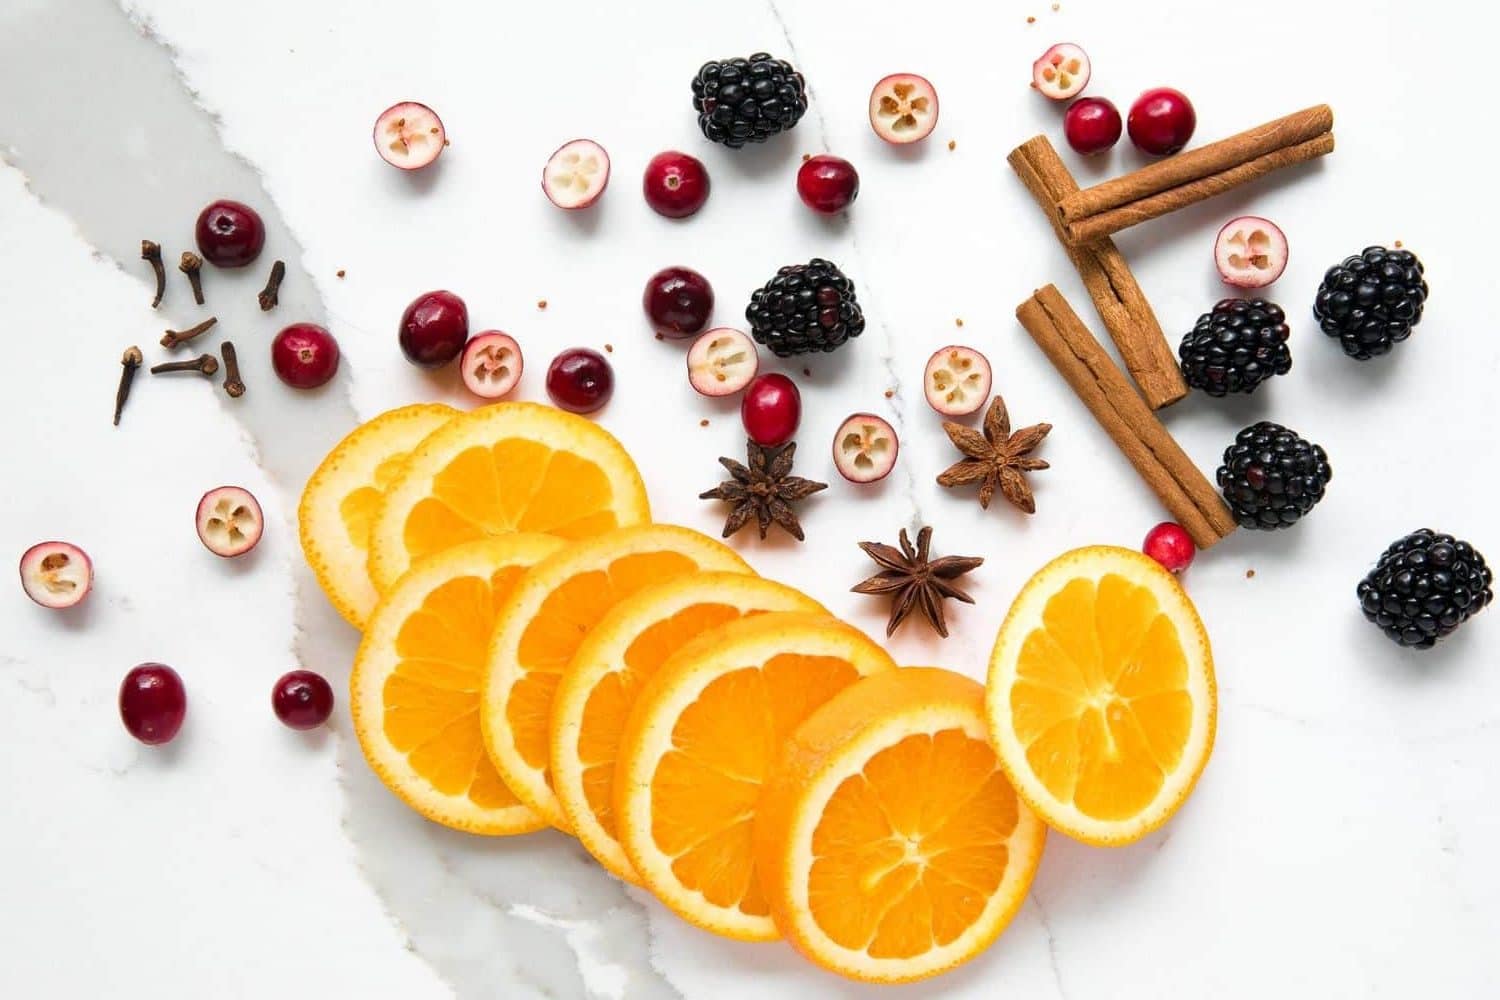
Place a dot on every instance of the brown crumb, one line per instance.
(341, 272)
(447, 142)
(1398, 244)
(806, 157)
(609, 348)
(1249, 574)
(889, 393)
(807, 372)
(703, 422)
(952, 144)
(1031, 20)
(957, 321)
(661, 336)
(541, 303)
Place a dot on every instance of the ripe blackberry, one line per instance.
(1236, 347)
(805, 308)
(1271, 477)
(1370, 302)
(1425, 586)
(748, 100)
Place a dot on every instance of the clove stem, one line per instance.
(130, 362)
(232, 383)
(204, 364)
(269, 296)
(191, 265)
(152, 252)
(174, 337)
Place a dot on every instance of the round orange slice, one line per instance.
(701, 738)
(549, 614)
(605, 676)
(890, 845)
(339, 502)
(502, 468)
(414, 691)
(1101, 698)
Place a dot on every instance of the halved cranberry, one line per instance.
(1250, 252)
(304, 355)
(492, 364)
(957, 380)
(903, 108)
(722, 361)
(675, 184)
(409, 135)
(56, 575)
(865, 448)
(1161, 121)
(229, 521)
(230, 233)
(434, 329)
(576, 175)
(679, 302)
(771, 410)
(1062, 71)
(153, 703)
(827, 184)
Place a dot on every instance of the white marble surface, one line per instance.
(1341, 842)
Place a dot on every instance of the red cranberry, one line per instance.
(302, 699)
(679, 301)
(580, 380)
(1170, 545)
(230, 233)
(152, 703)
(771, 410)
(304, 355)
(1092, 125)
(1161, 121)
(434, 329)
(827, 184)
(676, 184)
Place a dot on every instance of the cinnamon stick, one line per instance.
(1167, 470)
(1190, 177)
(1117, 297)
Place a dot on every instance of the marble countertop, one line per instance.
(1341, 842)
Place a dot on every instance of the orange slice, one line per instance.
(1101, 699)
(702, 737)
(891, 846)
(550, 613)
(606, 675)
(415, 686)
(502, 468)
(339, 502)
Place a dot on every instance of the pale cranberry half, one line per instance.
(903, 108)
(491, 364)
(409, 135)
(957, 380)
(576, 174)
(1062, 72)
(865, 448)
(56, 575)
(229, 521)
(722, 361)
(1250, 252)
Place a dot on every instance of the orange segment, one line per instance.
(603, 680)
(415, 686)
(890, 845)
(703, 735)
(340, 500)
(548, 617)
(502, 468)
(1101, 695)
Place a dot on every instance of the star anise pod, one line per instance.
(765, 490)
(915, 582)
(998, 459)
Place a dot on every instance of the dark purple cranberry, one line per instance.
(302, 699)
(827, 184)
(434, 329)
(230, 233)
(153, 703)
(580, 380)
(679, 301)
(304, 355)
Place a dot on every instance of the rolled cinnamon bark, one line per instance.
(1117, 297)
(1167, 470)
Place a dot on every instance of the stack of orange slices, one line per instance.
(537, 653)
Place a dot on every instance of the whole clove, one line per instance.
(204, 364)
(269, 295)
(232, 382)
(192, 266)
(174, 337)
(152, 252)
(130, 363)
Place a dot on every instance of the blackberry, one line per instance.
(805, 308)
(748, 100)
(1370, 302)
(1425, 586)
(1236, 347)
(1271, 477)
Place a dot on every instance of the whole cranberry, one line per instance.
(679, 301)
(771, 410)
(1171, 546)
(1161, 121)
(153, 703)
(676, 184)
(304, 355)
(827, 184)
(230, 233)
(434, 329)
(302, 699)
(1092, 125)
(580, 380)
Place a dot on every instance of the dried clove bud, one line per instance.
(268, 296)
(174, 337)
(152, 252)
(130, 362)
(232, 383)
(190, 265)
(204, 364)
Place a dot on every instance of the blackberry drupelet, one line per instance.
(805, 308)
(1425, 586)
(1271, 477)
(1371, 301)
(1236, 347)
(748, 100)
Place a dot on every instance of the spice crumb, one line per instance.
(340, 272)
(661, 336)
(807, 372)
(1031, 20)
(889, 393)
(1249, 574)
(952, 144)
(609, 348)
(806, 157)
(703, 422)
(958, 321)
(1398, 244)
(541, 303)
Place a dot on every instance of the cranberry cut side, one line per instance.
(903, 108)
(304, 355)
(230, 233)
(827, 184)
(409, 135)
(1161, 121)
(1092, 125)
(56, 575)
(580, 380)
(576, 175)
(492, 364)
(1250, 252)
(302, 699)
(434, 329)
(153, 703)
(678, 301)
(675, 184)
(229, 521)
(771, 410)
(1061, 72)
(865, 448)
